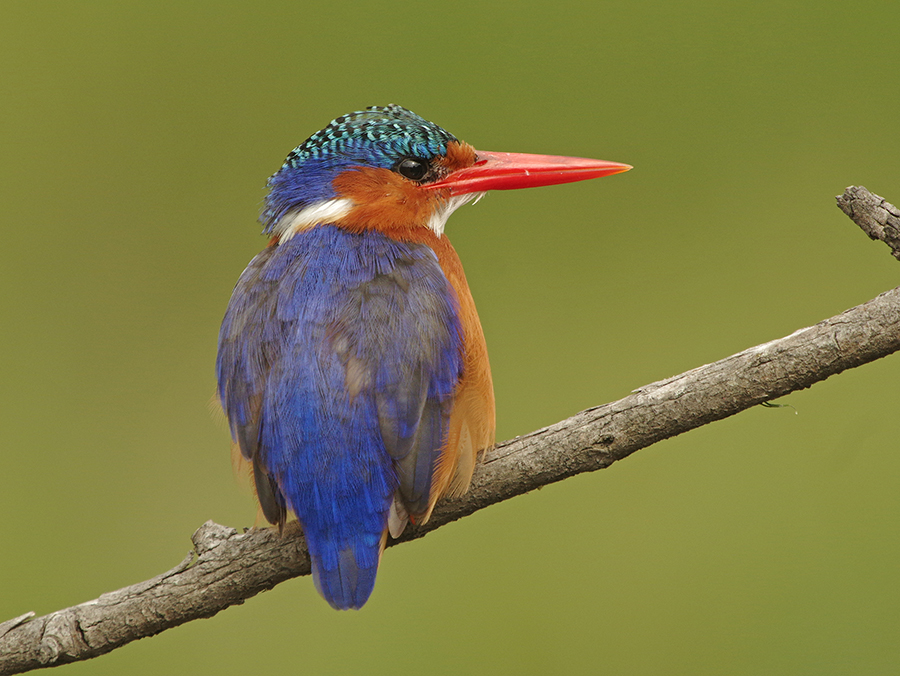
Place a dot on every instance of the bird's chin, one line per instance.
(442, 211)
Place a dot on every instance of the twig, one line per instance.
(877, 217)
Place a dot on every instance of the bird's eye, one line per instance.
(413, 168)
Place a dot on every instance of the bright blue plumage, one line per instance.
(338, 356)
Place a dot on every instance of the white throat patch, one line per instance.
(310, 216)
(439, 217)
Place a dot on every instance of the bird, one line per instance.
(352, 366)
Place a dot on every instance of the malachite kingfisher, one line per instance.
(352, 365)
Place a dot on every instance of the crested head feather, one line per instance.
(372, 136)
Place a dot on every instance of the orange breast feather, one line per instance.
(472, 419)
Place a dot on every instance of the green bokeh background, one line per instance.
(136, 139)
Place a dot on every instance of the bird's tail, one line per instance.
(345, 574)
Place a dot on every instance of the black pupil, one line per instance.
(413, 169)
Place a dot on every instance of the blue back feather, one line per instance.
(338, 357)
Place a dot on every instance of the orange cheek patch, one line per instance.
(385, 201)
(389, 203)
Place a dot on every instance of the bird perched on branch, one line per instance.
(352, 365)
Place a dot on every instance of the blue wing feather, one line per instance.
(338, 358)
(247, 343)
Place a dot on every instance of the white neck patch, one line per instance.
(439, 217)
(310, 216)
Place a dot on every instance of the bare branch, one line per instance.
(226, 567)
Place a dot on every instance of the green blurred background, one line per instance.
(136, 140)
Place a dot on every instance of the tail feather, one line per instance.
(346, 578)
